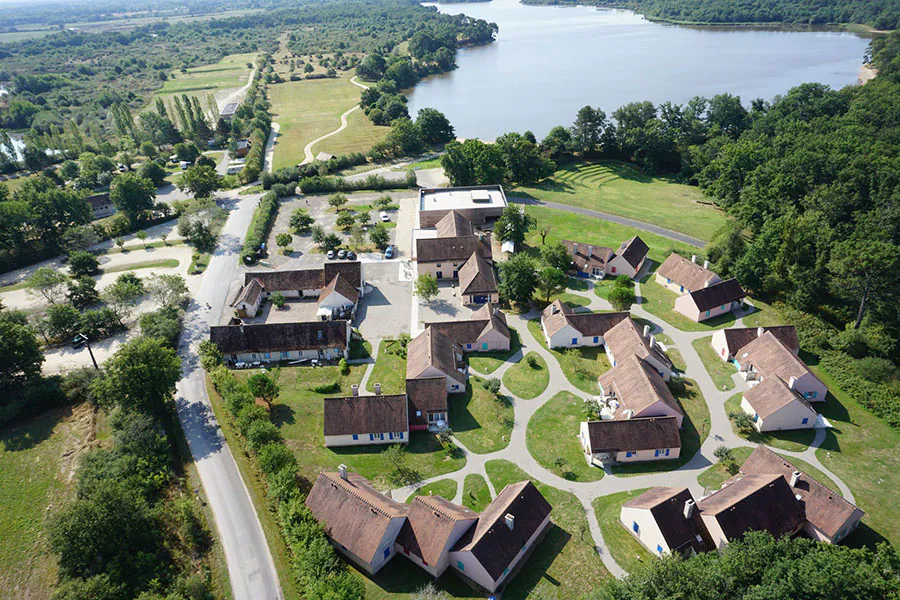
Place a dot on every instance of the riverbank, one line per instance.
(866, 74)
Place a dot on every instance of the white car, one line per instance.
(240, 365)
(184, 165)
(384, 217)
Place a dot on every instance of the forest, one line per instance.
(879, 14)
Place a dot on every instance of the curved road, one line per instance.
(250, 565)
(667, 233)
(307, 151)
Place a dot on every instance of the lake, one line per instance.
(548, 62)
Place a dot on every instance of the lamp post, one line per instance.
(83, 338)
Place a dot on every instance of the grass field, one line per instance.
(525, 381)
(476, 494)
(621, 189)
(623, 546)
(564, 564)
(480, 420)
(389, 370)
(660, 302)
(720, 371)
(569, 226)
(309, 109)
(37, 459)
(793, 440)
(553, 435)
(581, 367)
(488, 362)
(16, 36)
(161, 263)
(694, 431)
(230, 72)
(299, 416)
(445, 488)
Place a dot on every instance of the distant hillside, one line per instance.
(880, 14)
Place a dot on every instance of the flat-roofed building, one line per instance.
(479, 204)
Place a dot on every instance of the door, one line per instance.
(440, 275)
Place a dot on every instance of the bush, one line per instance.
(261, 433)
(259, 227)
(532, 361)
(274, 457)
(83, 263)
(883, 401)
(344, 367)
(210, 355)
(250, 414)
(492, 385)
(326, 388)
(164, 324)
(876, 370)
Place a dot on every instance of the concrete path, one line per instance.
(239, 94)
(721, 432)
(270, 148)
(307, 151)
(662, 231)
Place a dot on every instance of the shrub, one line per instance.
(326, 388)
(876, 370)
(532, 361)
(210, 355)
(261, 433)
(259, 227)
(274, 457)
(249, 414)
(344, 367)
(492, 385)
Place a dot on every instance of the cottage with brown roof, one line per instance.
(338, 299)
(767, 357)
(273, 342)
(298, 283)
(478, 281)
(624, 340)
(565, 328)
(434, 525)
(632, 440)
(829, 517)
(427, 403)
(774, 406)
(712, 301)
(684, 276)
(634, 389)
(433, 354)
(599, 261)
(485, 331)
(729, 342)
(444, 257)
(666, 521)
(761, 502)
(101, 205)
(362, 420)
(360, 522)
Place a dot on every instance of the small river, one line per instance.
(548, 62)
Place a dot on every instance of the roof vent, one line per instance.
(694, 258)
(798, 497)
(342, 470)
(354, 389)
(510, 521)
(646, 331)
(792, 383)
(689, 505)
(706, 264)
(760, 331)
(590, 251)
(795, 477)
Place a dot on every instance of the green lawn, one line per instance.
(660, 302)
(796, 440)
(36, 462)
(587, 230)
(582, 366)
(525, 381)
(720, 371)
(400, 579)
(766, 315)
(431, 163)
(565, 564)
(553, 435)
(862, 450)
(677, 360)
(573, 300)
(298, 415)
(162, 263)
(230, 72)
(621, 189)
(308, 109)
(488, 362)
(480, 420)
(694, 431)
(389, 370)
(360, 348)
(623, 546)
(603, 287)
(476, 494)
(445, 488)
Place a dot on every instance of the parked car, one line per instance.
(342, 254)
(330, 255)
(389, 252)
(184, 165)
(240, 365)
(384, 217)
(351, 255)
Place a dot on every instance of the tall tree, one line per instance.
(587, 129)
(518, 279)
(132, 195)
(514, 224)
(141, 375)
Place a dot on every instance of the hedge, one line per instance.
(259, 226)
(320, 185)
(880, 399)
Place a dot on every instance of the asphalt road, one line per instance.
(250, 565)
(667, 233)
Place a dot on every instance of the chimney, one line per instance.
(795, 477)
(689, 508)
(792, 383)
(590, 251)
(706, 264)
(377, 389)
(694, 258)
(342, 470)
(760, 331)
(646, 331)
(706, 283)
(510, 521)
(354, 389)
(652, 342)
(574, 249)
(554, 309)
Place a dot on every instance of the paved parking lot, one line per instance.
(384, 311)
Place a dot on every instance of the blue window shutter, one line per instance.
(596, 339)
(804, 421)
(659, 548)
(387, 551)
(355, 437)
(656, 453)
(667, 451)
(707, 313)
(634, 526)
(400, 435)
(484, 346)
(390, 436)
(371, 437)
(468, 346)
(460, 565)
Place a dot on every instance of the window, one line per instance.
(613, 269)
(438, 265)
(267, 355)
(634, 527)
(380, 436)
(755, 417)
(400, 435)
(506, 571)
(319, 334)
(387, 551)
(454, 387)
(419, 413)
(813, 394)
(667, 451)
(628, 454)
(596, 339)
(371, 437)
(460, 565)
(574, 341)
(468, 346)
(668, 280)
(659, 548)
(724, 306)
(484, 346)
(707, 313)
(657, 452)
(680, 288)
(285, 355)
(355, 437)
(804, 421)
(390, 436)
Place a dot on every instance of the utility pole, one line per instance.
(83, 338)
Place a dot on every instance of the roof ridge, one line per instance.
(811, 478)
(340, 482)
(439, 509)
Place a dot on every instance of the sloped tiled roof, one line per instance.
(487, 318)
(586, 256)
(637, 387)
(667, 507)
(682, 271)
(649, 433)
(347, 415)
(426, 394)
(625, 339)
(558, 314)
(772, 359)
(433, 348)
(280, 337)
(249, 293)
(343, 287)
(825, 508)
(476, 276)
(351, 270)
(738, 337)
(454, 224)
(634, 251)
(453, 249)
(771, 395)
(429, 526)
(718, 294)
(352, 512)
(493, 543)
(763, 502)
(296, 279)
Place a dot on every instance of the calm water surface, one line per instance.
(548, 62)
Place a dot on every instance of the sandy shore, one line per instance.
(866, 74)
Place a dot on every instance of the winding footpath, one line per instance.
(307, 151)
(721, 432)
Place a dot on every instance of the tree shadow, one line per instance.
(533, 569)
(865, 537)
(281, 415)
(460, 416)
(28, 434)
